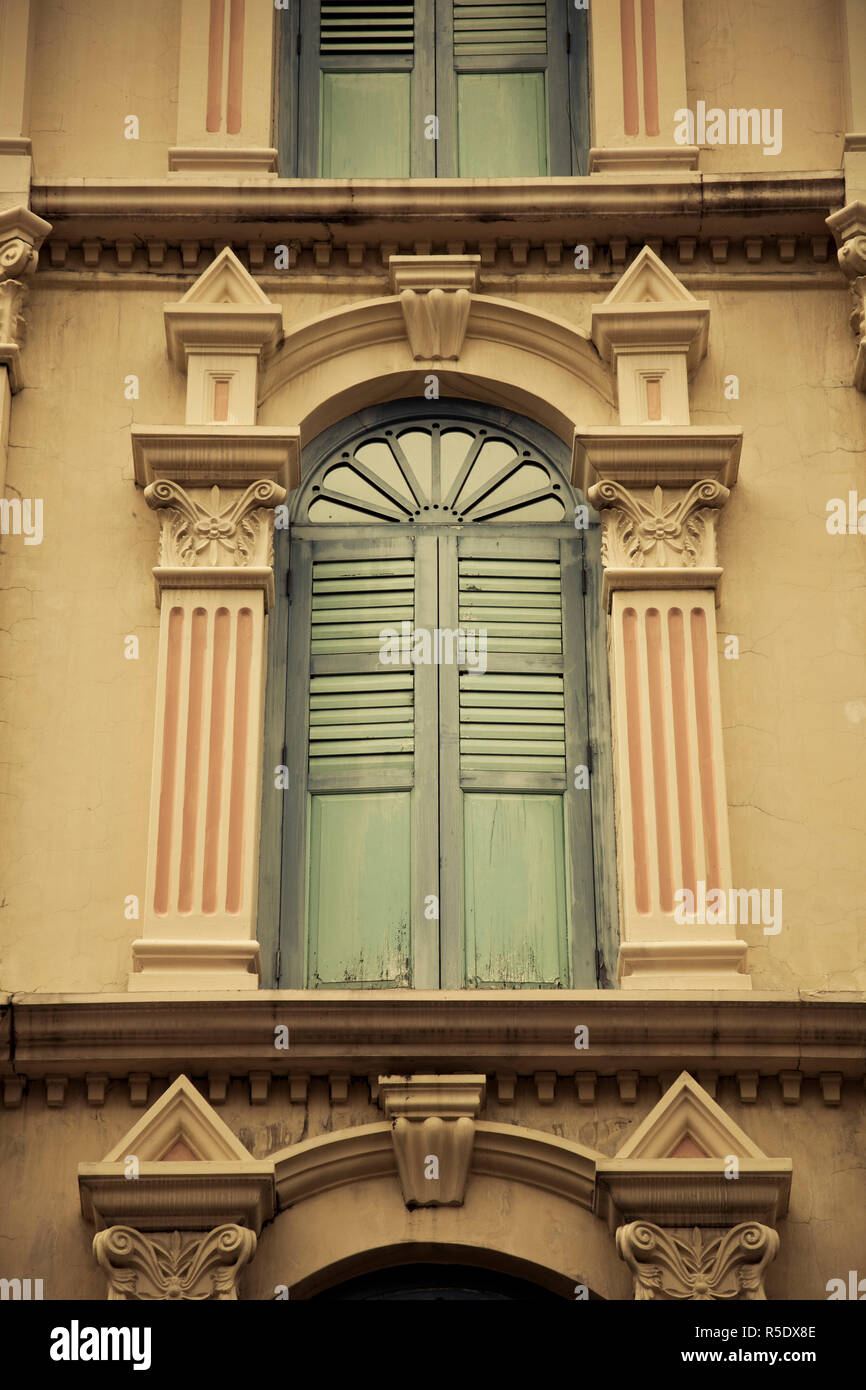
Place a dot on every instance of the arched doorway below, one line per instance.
(435, 1283)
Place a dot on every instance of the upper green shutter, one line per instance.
(360, 84)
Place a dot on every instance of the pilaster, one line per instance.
(638, 83)
(215, 482)
(224, 109)
(660, 484)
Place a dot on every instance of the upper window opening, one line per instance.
(438, 88)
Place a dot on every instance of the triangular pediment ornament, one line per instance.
(226, 282)
(649, 310)
(687, 1123)
(224, 312)
(648, 281)
(180, 1126)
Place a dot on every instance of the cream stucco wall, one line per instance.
(80, 715)
(785, 54)
(94, 66)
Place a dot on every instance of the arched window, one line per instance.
(447, 819)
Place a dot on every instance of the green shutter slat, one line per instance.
(349, 617)
(469, 591)
(473, 762)
(529, 616)
(364, 747)
(361, 718)
(325, 570)
(376, 700)
(374, 28)
(336, 601)
(511, 569)
(328, 587)
(490, 700)
(498, 28)
(329, 685)
(484, 714)
(324, 718)
(551, 685)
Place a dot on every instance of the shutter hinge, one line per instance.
(589, 755)
(289, 583)
(582, 575)
(278, 962)
(568, 40)
(298, 42)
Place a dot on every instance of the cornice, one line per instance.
(228, 455)
(649, 1032)
(519, 224)
(529, 200)
(644, 456)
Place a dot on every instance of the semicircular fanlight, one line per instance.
(421, 472)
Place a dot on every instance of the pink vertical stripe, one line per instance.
(236, 68)
(679, 699)
(191, 791)
(650, 66)
(243, 666)
(635, 764)
(703, 710)
(215, 65)
(169, 760)
(221, 637)
(630, 116)
(221, 400)
(658, 749)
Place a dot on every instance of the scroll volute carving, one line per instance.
(701, 1267)
(191, 1267)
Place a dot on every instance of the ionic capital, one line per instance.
(702, 1267)
(186, 1267)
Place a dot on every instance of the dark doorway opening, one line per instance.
(434, 1283)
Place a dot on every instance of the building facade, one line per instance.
(434, 649)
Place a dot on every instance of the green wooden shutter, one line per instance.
(366, 84)
(517, 837)
(503, 85)
(359, 860)
(357, 82)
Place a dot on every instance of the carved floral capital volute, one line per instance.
(175, 1266)
(215, 527)
(21, 235)
(642, 529)
(703, 1267)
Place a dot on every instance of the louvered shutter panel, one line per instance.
(353, 787)
(366, 82)
(520, 725)
(505, 70)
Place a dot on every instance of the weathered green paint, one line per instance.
(359, 889)
(365, 118)
(501, 125)
(463, 753)
(515, 891)
(338, 114)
